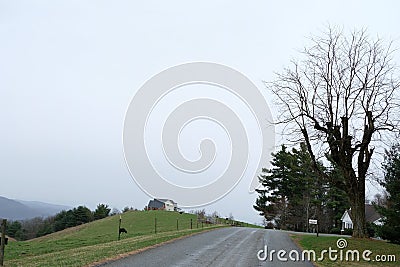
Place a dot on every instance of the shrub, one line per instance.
(348, 231)
(335, 231)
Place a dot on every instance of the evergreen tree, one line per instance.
(70, 218)
(293, 192)
(336, 199)
(60, 221)
(101, 211)
(82, 215)
(307, 200)
(272, 202)
(391, 213)
(14, 229)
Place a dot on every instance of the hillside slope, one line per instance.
(137, 223)
(97, 240)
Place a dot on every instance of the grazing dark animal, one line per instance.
(123, 230)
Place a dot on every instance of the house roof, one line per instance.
(344, 215)
(155, 204)
(371, 215)
(164, 200)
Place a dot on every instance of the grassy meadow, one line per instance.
(96, 241)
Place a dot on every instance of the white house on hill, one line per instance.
(371, 215)
(162, 204)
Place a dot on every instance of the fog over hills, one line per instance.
(13, 209)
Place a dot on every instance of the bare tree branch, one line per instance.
(342, 95)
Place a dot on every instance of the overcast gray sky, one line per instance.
(69, 69)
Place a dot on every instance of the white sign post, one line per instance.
(312, 221)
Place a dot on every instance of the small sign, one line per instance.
(310, 221)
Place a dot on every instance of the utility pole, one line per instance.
(3, 240)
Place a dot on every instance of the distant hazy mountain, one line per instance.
(45, 208)
(18, 209)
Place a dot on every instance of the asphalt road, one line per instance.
(233, 246)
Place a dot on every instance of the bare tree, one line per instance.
(340, 99)
(201, 215)
(380, 200)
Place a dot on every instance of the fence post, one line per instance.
(119, 228)
(191, 223)
(155, 225)
(177, 224)
(3, 240)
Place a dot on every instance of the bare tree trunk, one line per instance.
(356, 195)
(358, 211)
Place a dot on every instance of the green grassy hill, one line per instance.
(96, 241)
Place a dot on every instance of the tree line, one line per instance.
(293, 193)
(36, 227)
